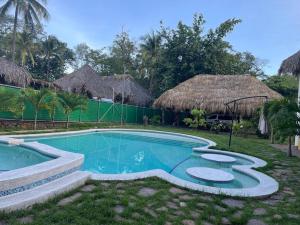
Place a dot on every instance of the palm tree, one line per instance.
(71, 102)
(51, 49)
(38, 100)
(150, 50)
(53, 103)
(31, 10)
(282, 116)
(11, 101)
(26, 47)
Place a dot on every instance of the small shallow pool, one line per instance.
(124, 152)
(15, 157)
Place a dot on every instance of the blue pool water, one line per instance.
(14, 157)
(116, 152)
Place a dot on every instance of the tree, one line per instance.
(38, 100)
(26, 48)
(123, 51)
(285, 85)
(150, 50)
(53, 103)
(31, 10)
(282, 116)
(11, 101)
(51, 59)
(96, 58)
(187, 50)
(71, 102)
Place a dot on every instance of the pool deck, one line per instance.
(13, 183)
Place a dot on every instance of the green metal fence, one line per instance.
(96, 111)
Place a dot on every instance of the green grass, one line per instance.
(97, 206)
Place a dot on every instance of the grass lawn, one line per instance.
(153, 201)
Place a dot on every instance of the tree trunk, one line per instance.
(35, 119)
(272, 136)
(15, 33)
(68, 118)
(290, 146)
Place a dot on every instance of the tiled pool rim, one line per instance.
(267, 185)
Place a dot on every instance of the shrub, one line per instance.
(197, 120)
(243, 128)
(155, 120)
(218, 126)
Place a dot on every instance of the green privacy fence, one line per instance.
(96, 111)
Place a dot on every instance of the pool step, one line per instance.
(43, 192)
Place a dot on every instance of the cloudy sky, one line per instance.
(270, 29)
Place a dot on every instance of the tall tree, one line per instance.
(150, 50)
(52, 58)
(31, 10)
(123, 52)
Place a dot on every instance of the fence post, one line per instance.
(136, 114)
(98, 111)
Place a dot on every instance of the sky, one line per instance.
(270, 29)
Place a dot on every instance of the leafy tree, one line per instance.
(31, 10)
(26, 48)
(71, 102)
(82, 51)
(186, 51)
(123, 51)
(285, 85)
(96, 58)
(51, 59)
(150, 50)
(197, 120)
(282, 116)
(38, 100)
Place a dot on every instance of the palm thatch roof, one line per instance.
(291, 65)
(211, 92)
(13, 74)
(89, 81)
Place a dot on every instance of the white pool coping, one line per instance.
(19, 178)
(267, 185)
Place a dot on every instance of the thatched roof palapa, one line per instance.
(99, 86)
(211, 92)
(291, 65)
(13, 74)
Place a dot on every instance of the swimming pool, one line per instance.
(128, 152)
(14, 157)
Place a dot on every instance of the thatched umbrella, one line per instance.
(291, 65)
(87, 80)
(13, 74)
(211, 92)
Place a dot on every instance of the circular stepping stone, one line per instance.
(218, 158)
(209, 174)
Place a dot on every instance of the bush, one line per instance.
(243, 128)
(218, 126)
(198, 119)
(155, 120)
